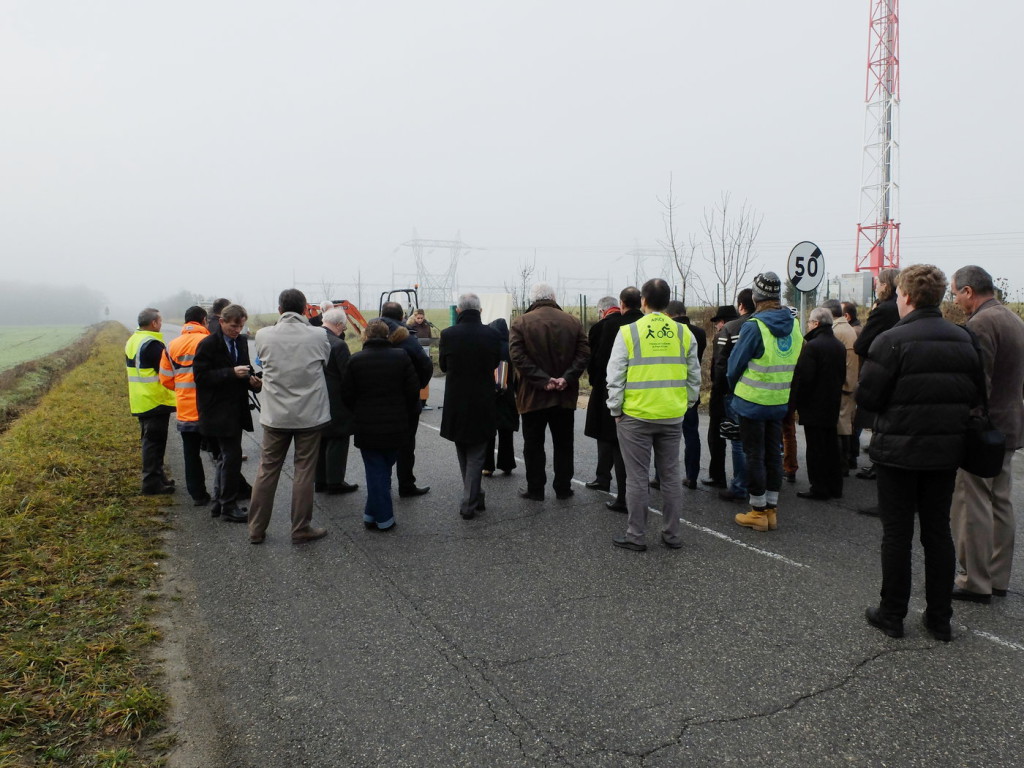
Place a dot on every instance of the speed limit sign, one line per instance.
(806, 266)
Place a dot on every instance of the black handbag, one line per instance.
(984, 445)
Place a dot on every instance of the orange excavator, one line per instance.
(355, 317)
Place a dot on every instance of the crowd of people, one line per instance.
(915, 379)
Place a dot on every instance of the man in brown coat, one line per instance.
(549, 351)
(982, 513)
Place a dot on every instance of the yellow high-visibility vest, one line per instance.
(768, 378)
(656, 348)
(144, 389)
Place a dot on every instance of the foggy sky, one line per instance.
(233, 147)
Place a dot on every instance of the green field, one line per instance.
(21, 343)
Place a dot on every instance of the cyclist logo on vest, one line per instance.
(665, 332)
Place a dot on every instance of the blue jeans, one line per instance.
(691, 444)
(762, 443)
(377, 465)
(739, 459)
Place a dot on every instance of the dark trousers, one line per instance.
(332, 460)
(471, 464)
(506, 452)
(716, 445)
(762, 448)
(904, 494)
(195, 473)
(824, 465)
(377, 466)
(691, 443)
(407, 460)
(153, 431)
(227, 457)
(561, 422)
(609, 457)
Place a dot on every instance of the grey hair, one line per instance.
(325, 305)
(542, 292)
(603, 305)
(468, 301)
(336, 316)
(148, 316)
(976, 278)
(834, 306)
(821, 315)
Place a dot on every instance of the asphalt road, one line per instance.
(524, 638)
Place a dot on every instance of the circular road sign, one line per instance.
(806, 266)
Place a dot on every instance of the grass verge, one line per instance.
(78, 547)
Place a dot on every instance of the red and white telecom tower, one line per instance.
(878, 234)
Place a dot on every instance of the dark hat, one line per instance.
(767, 287)
(725, 313)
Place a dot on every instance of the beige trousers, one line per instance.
(275, 448)
(981, 517)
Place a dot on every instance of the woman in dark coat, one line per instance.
(508, 416)
(921, 380)
(468, 353)
(381, 390)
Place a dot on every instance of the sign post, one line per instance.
(806, 268)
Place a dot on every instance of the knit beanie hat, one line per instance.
(767, 287)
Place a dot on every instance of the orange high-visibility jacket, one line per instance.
(176, 369)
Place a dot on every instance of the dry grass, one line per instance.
(77, 547)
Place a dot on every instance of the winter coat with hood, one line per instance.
(418, 356)
(381, 390)
(750, 347)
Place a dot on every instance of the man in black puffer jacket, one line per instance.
(921, 380)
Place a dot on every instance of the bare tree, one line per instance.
(728, 247)
(520, 289)
(680, 253)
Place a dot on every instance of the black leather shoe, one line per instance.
(888, 626)
(959, 593)
(671, 544)
(616, 506)
(728, 495)
(624, 543)
(202, 501)
(565, 494)
(868, 473)
(597, 485)
(334, 490)
(413, 490)
(691, 484)
(714, 483)
(531, 496)
(215, 509)
(940, 630)
(235, 515)
(811, 495)
(162, 490)
(998, 592)
(789, 476)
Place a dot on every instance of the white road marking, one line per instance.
(774, 555)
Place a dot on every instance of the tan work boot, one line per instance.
(773, 517)
(755, 518)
